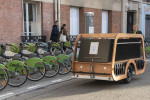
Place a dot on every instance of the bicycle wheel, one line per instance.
(52, 69)
(3, 79)
(18, 77)
(37, 72)
(65, 67)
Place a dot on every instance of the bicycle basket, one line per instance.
(67, 44)
(15, 48)
(55, 44)
(31, 47)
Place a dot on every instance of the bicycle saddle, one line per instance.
(16, 57)
(32, 55)
(46, 54)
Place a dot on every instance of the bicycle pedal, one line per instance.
(53, 61)
(24, 72)
(43, 70)
(3, 82)
(30, 76)
(66, 70)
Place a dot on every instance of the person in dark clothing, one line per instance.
(135, 30)
(55, 32)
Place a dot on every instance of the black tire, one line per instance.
(129, 75)
(65, 67)
(19, 77)
(56, 71)
(38, 74)
(5, 81)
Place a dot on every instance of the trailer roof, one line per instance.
(110, 35)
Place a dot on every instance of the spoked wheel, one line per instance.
(37, 72)
(129, 75)
(52, 69)
(65, 67)
(18, 77)
(4, 78)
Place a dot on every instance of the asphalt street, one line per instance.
(83, 89)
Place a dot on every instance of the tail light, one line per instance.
(6, 67)
(26, 64)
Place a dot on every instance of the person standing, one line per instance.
(63, 36)
(55, 32)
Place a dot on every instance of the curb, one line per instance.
(7, 95)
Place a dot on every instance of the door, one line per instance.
(104, 21)
(130, 19)
(30, 19)
(74, 21)
(147, 26)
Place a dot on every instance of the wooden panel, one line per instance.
(82, 67)
(102, 68)
(97, 67)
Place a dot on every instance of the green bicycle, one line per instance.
(16, 69)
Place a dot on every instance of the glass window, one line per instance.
(30, 19)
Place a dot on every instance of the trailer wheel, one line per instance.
(129, 75)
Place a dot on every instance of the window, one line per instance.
(104, 21)
(74, 21)
(31, 19)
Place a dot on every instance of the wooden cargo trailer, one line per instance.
(110, 56)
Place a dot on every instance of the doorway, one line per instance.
(130, 22)
(147, 26)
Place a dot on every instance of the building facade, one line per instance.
(146, 18)
(36, 17)
(131, 15)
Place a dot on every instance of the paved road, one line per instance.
(81, 89)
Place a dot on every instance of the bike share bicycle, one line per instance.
(4, 78)
(147, 48)
(16, 69)
(35, 66)
(50, 62)
(56, 49)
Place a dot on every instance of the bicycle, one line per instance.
(56, 49)
(147, 48)
(4, 78)
(16, 69)
(50, 62)
(35, 66)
